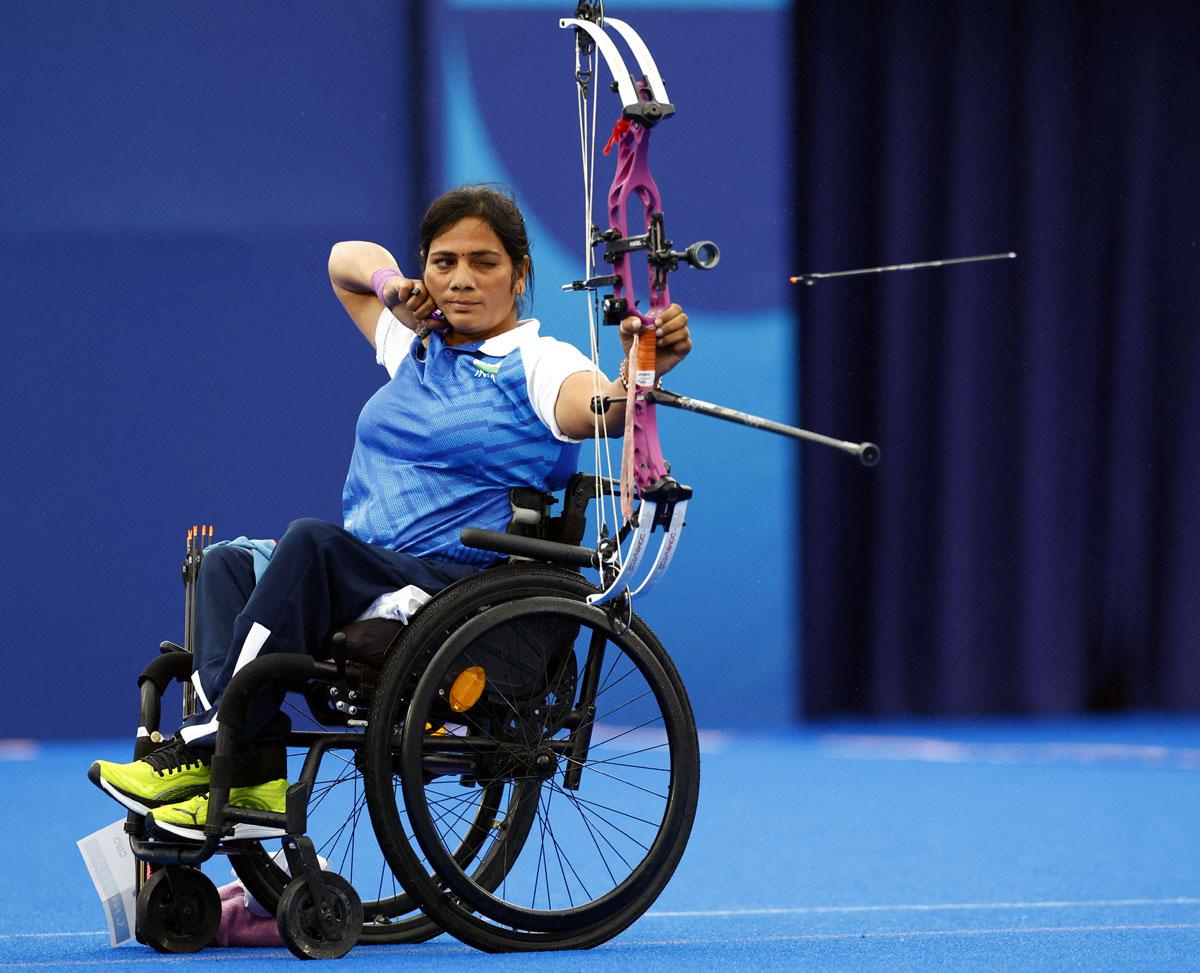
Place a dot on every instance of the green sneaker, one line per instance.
(171, 773)
(188, 818)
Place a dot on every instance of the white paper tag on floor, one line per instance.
(110, 862)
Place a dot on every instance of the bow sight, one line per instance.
(703, 255)
(644, 103)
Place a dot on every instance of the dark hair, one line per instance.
(498, 209)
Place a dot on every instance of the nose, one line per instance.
(462, 279)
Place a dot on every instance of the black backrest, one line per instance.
(531, 509)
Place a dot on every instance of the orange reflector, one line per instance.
(467, 689)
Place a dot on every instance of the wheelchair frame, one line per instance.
(319, 913)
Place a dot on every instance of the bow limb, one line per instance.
(658, 90)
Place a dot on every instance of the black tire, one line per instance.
(300, 924)
(604, 852)
(178, 910)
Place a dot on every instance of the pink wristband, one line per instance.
(380, 278)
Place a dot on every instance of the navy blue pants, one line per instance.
(320, 578)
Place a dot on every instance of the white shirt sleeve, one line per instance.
(548, 362)
(393, 341)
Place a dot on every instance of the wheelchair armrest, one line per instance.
(162, 670)
(516, 546)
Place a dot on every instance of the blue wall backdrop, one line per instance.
(172, 178)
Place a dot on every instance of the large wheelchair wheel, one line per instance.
(511, 679)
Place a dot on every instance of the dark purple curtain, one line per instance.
(1031, 541)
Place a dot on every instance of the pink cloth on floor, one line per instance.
(241, 927)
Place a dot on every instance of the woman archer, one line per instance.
(478, 402)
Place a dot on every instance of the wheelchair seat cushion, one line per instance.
(368, 641)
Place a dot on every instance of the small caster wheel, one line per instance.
(144, 871)
(178, 910)
(308, 933)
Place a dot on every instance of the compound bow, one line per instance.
(644, 472)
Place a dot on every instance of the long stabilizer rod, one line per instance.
(866, 453)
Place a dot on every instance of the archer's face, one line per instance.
(470, 277)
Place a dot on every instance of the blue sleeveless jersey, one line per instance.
(439, 446)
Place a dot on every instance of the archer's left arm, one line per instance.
(573, 411)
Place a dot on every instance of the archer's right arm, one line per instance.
(351, 264)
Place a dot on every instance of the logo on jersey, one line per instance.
(486, 369)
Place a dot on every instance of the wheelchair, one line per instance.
(513, 766)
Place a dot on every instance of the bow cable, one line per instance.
(585, 80)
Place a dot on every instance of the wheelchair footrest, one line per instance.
(173, 853)
(251, 815)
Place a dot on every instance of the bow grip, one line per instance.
(647, 357)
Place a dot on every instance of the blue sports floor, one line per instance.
(909, 846)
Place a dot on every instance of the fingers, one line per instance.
(410, 301)
(670, 328)
(672, 337)
(416, 298)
